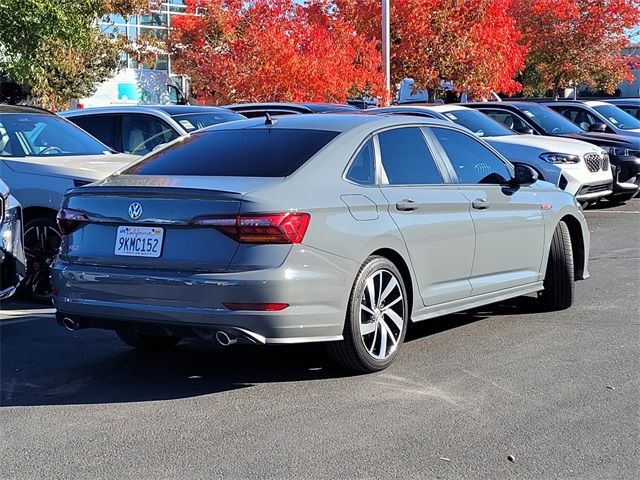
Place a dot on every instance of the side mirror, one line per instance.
(525, 130)
(597, 127)
(524, 175)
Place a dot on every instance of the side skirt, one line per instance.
(473, 302)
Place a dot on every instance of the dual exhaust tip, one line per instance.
(222, 337)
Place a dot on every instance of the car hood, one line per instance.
(81, 167)
(540, 144)
(606, 139)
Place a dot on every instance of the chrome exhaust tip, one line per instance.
(70, 325)
(224, 339)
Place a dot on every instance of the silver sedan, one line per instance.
(314, 228)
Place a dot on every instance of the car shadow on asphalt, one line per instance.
(92, 366)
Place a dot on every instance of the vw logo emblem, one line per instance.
(135, 210)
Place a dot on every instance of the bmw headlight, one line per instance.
(623, 152)
(560, 158)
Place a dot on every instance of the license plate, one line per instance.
(139, 241)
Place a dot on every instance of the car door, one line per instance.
(430, 212)
(508, 220)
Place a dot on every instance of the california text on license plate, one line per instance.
(139, 241)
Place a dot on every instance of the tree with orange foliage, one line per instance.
(472, 43)
(273, 50)
(573, 42)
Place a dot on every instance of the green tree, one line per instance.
(54, 47)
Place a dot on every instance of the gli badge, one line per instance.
(135, 210)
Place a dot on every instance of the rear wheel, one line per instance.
(559, 279)
(147, 342)
(376, 321)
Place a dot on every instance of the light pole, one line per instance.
(386, 49)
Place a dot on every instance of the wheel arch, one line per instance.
(30, 213)
(398, 260)
(577, 244)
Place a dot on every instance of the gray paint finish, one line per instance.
(457, 256)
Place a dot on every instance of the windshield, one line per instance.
(478, 123)
(551, 122)
(195, 121)
(36, 134)
(618, 117)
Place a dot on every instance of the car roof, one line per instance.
(335, 122)
(4, 108)
(293, 107)
(420, 110)
(623, 101)
(148, 109)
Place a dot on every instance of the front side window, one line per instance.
(36, 135)
(472, 161)
(480, 124)
(362, 168)
(548, 120)
(252, 152)
(142, 133)
(581, 117)
(406, 158)
(508, 119)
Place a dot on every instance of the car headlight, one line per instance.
(560, 158)
(623, 152)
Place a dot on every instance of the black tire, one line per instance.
(41, 243)
(147, 342)
(352, 353)
(620, 199)
(559, 279)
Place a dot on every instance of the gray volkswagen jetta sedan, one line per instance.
(312, 228)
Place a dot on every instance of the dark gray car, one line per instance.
(313, 228)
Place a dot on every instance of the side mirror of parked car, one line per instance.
(597, 127)
(524, 175)
(525, 130)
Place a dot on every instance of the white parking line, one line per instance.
(4, 323)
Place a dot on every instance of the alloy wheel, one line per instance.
(41, 243)
(381, 314)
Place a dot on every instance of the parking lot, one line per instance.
(501, 392)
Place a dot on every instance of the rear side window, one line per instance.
(406, 158)
(473, 162)
(259, 152)
(103, 127)
(362, 169)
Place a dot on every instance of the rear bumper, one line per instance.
(315, 284)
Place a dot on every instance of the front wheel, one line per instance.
(559, 279)
(41, 242)
(376, 321)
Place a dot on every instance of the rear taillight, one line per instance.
(288, 227)
(70, 220)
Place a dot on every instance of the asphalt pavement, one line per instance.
(502, 392)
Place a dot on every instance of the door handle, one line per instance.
(480, 204)
(406, 205)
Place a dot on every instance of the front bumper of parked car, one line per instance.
(12, 259)
(626, 174)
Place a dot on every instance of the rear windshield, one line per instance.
(236, 153)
